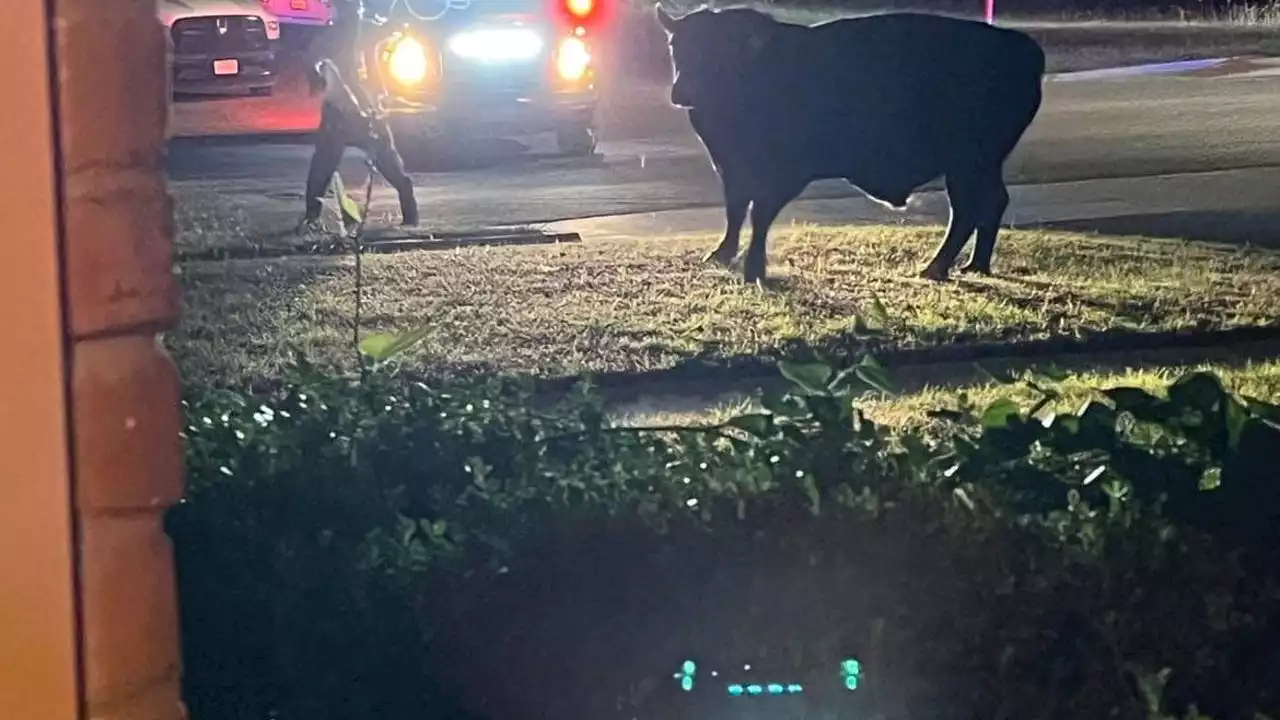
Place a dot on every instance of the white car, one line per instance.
(221, 46)
(300, 12)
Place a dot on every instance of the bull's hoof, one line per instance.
(720, 256)
(971, 269)
(754, 276)
(934, 274)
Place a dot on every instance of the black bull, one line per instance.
(888, 102)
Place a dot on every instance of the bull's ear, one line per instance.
(668, 22)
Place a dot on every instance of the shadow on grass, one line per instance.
(1131, 310)
(1256, 228)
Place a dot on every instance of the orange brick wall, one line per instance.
(37, 614)
(119, 290)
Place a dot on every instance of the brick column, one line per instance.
(112, 91)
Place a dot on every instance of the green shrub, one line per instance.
(391, 549)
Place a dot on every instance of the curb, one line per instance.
(278, 137)
(380, 247)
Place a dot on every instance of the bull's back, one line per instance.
(915, 81)
(933, 52)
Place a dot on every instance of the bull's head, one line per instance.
(712, 50)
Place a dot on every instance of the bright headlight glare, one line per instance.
(408, 62)
(572, 60)
(496, 44)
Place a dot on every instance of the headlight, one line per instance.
(408, 61)
(572, 59)
(496, 44)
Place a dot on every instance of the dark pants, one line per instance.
(335, 134)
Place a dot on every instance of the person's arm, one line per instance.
(377, 82)
(316, 51)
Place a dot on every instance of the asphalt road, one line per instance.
(1089, 129)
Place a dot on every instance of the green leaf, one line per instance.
(844, 381)
(876, 377)
(861, 329)
(812, 377)
(346, 204)
(1098, 424)
(1004, 377)
(811, 491)
(381, 346)
(1263, 409)
(998, 413)
(1236, 417)
(350, 208)
(870, 361)
(1198, 390)
(784, 405)
(1052, 373)
(759, 425)
(878, 315)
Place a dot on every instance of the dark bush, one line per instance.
(388, 549)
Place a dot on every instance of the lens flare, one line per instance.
(496, 44)
(572, 60)
(408, 62)
(580, 8)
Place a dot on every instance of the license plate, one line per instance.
(298, 4)
(226, 67)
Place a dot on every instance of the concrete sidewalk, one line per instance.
(1234, 206)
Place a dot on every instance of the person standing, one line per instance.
(350, 114)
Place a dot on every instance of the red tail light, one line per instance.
(587, 14)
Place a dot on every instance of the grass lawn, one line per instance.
(650, 304)
(1259, 380)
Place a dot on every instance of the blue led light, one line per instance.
(736, 690)
(754, 689)
(851, 672)
(685, 676)
(794, 688)
(776, 689)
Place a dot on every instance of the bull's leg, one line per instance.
(736, 201)
(763, 212)
(988, 228)
(967, 203)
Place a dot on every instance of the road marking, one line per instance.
(1244, 66)
(1167, 68)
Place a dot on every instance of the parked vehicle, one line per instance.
(300, 12)
(221, 46)
(492, 67)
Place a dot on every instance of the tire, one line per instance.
(421, 154)
(576, 140)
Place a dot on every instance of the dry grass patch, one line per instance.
(650, 304)
(1260, 380)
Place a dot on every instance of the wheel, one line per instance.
(424, 154)
(262, 91)
(576, 140)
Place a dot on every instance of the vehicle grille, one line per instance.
(219, 35)
(470, 78)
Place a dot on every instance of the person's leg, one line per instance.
(389, 162)
(330, 142)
